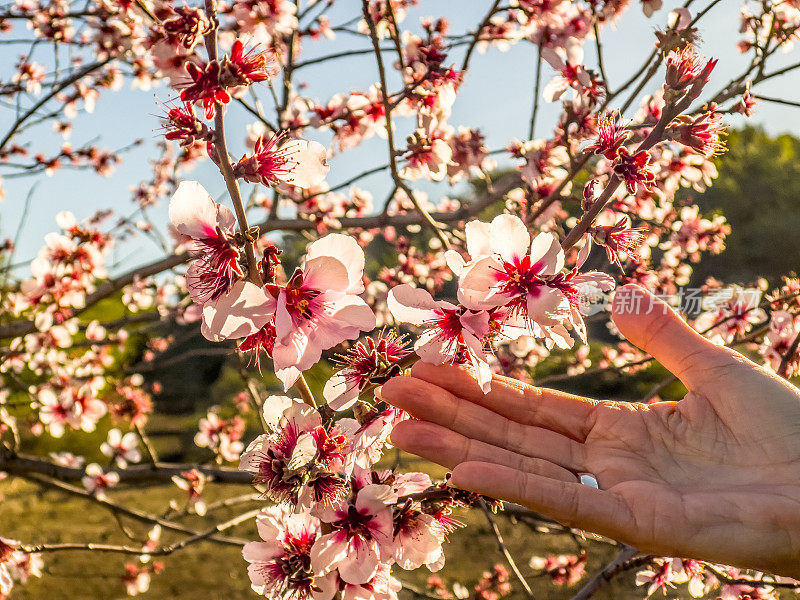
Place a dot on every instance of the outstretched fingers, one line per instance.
(558, 411)
(571, 504)
(448, 448)
(430, 403)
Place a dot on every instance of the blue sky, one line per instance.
(496, 97)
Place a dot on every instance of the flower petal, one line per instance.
(338, 394)
(479, 238)
(510, 237)
(241, 312)
(545, 249)
(325, 273)
(353, 311)
(477, 286)
(346, 250)
(475, 322)
(192, 211)
(327, 552)
(411, 305)
(311, 163)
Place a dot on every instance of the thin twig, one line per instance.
(605, 574)
(161, 551)
(477, 35)
(390, 133)
(223, 158)
(776, 100)
(151, 452)
(536, 86)
(654, 137)
(504, 549)
(77, 76)
(133, 513)
(751, 582)
(23, 464)
(600, 63)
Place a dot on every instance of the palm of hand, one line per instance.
(715, 476)
(695, 483)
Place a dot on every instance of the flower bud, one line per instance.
(590, 195)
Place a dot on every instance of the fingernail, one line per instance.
(377, 392)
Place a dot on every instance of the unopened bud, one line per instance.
(589, 194)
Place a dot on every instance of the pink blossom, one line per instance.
(280, 564)
(277, 160)
(319, 307)
(242, 312)
(6, 582)
(24, 565)
(121, 448)
(299, 461)
(192, 482)
(210, 228)
(382, 586)
(137, 578)
(56, 413)
(563, 569)
(570, 73)
(450, 330)
(98, 481)
(783, 329)
(222, 436)
(373, 361)
(663, 573)
(370, 439)
(418, 536)
(67, 459)
(507, 269)
(616, 239)
(361, 537)
(428, 156)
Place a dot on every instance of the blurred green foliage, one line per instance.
(758, 191)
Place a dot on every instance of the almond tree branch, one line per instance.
(77, 76)
(133, 513)
(23, 464)
(655, 136)
(223, 158)
(602, 577)
(751, 582)
(776, 100)
(426, 216)
(161, 551)
(111, 286)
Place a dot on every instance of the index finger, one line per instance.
(564, 413)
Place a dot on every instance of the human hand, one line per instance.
(715, 476)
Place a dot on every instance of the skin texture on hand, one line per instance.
(715, 476)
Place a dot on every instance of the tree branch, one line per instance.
(605, 575)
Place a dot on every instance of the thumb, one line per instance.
(653, 326)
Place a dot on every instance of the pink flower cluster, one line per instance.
(510, 287)
(341, 525)
(317, 308)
